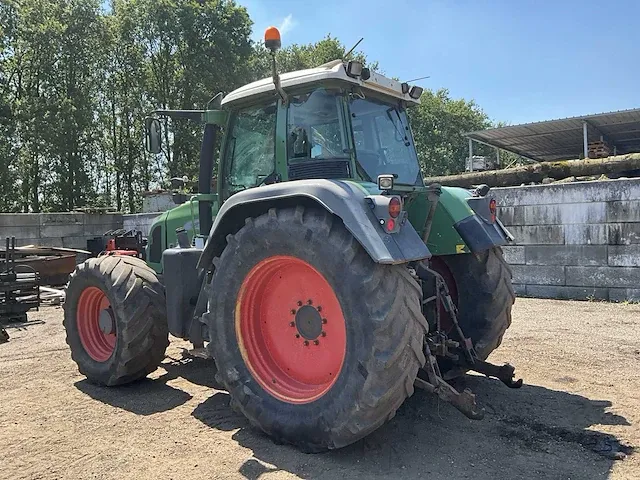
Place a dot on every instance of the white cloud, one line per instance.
(287, 24)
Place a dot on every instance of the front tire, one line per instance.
(317, 345)
(114, 317)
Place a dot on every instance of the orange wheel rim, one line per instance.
(291, 329)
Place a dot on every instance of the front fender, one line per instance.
(344, 199)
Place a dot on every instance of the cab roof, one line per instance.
(334, 70)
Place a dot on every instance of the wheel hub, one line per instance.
(106, 321)
(308, 322)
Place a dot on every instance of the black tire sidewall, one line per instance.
(296, 240)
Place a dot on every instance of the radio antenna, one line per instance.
(346, 55)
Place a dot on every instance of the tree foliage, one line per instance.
(77, 78)
(438, 125)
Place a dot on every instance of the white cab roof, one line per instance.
(334, 70)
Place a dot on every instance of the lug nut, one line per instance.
(324, 320)
(310, 302)
(293, 311)
(306, 343)
(316, 342)
(299, 303)
(292, 324)
(319, 308)
(324, 334)
(297, 335)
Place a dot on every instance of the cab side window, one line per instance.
(250, 152)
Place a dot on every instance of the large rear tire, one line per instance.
(317, 345)
(114, 316)
(480, 285)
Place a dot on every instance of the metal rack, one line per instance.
(19, 287)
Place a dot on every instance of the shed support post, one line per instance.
(585, 139)
(470, 155)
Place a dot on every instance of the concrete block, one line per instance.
(519, 289)
(569, 213)
(21, 242)
(19, 232)
(585, 234)
(49, 242)
(623, 233)
(623, 211)
(103, 219)
(538, 235)
(578, 192)
(538, 274)
(514, 255)
(19, 220)
(62, 218)
(624, 255)
(96, 230)
(62, 230)
(624, 295)
(511, 215)
(566, 255)
(617, 277)
(76, 242)
(561, 292)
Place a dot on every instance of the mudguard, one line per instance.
(342, 198)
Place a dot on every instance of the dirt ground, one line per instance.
(579, 408)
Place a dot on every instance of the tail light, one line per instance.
(395, 207)
(391, 224)
(493, 209)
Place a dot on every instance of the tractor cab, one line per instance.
(335, 121)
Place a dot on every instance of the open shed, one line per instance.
(598, 135)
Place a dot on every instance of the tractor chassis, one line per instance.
(461, 352)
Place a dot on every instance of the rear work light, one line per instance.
(395, 207)
(492, 209)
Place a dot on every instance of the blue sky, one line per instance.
(520, 60)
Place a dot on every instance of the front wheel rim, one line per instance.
(96, 324)
(291, 330)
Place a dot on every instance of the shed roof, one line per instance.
(563, 138)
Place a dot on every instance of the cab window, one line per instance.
(250, 154)
(315, 129)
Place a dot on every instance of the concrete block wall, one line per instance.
(575, 240)
(71, 230)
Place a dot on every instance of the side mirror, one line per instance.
(153, 135)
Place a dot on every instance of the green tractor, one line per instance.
(325, 278)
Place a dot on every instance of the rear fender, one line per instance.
(343, 199)
(462, 223)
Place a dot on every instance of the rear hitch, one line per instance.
(465, 402)
(505, 373)
(460, 351)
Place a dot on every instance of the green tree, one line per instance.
(439, 124)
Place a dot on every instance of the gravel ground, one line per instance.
(576, 417)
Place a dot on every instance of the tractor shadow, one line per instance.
(150, 396)
(531, 432)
